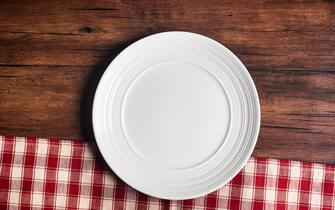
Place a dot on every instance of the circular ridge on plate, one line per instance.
(236, 147)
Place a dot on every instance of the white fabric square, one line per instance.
(20, 147)
(19, 139)
(14, 198)
(317, 174)
(224, 191)
(86, 177)
(292, 196)
(108, 203)
(272, 170)
(247, 193)
(2, 144)
(42, 148)
(315, 199)
(39, 174)
(109, 179)
(295, 171)
(152, 206)
(88, 152)
(131, 197)
(37, 199)
(63, 176)
(84, 203)
(65, 149)
(61, 201)
(249, 167)
(270, 195)
(16, 172)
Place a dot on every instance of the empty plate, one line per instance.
(176, 115)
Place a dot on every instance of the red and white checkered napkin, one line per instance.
(59, 174)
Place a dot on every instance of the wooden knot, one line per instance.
(86, 29)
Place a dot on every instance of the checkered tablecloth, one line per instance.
(40, 173)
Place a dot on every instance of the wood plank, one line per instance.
(270, 50)
(265, 35)
(52, 55)
(298, 116)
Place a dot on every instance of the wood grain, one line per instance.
(52, 54)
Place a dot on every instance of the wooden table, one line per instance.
(52, 54)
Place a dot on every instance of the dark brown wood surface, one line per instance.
(52, 54)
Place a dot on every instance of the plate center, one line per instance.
(175, 115)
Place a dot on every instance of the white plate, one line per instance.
(176, 115)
